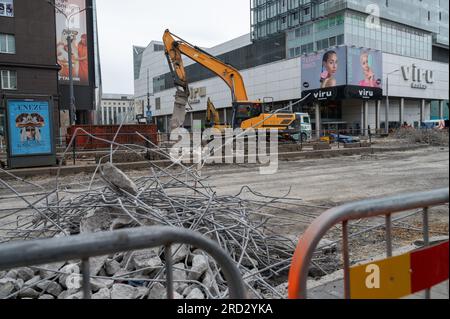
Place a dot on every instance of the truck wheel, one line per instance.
(304, 137)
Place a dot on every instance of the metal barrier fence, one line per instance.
(298, 275)
(83, 247)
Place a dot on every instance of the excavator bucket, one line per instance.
(179, 110)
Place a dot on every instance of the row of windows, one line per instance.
(6, 8)
(317, 46)
(115, 115)
(116, 103)
(7, 43)
(8, 80)
(389, 37)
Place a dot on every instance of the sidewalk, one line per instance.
(335, 290)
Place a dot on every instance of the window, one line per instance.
(6, 8)
(158, 103)
(332, 41)
(9, 80)
(7, 43)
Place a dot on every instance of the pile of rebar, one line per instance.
(173, 196)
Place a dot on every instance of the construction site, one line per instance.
(256, 219)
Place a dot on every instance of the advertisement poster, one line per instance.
(365, 68)
(76, 27)
(7, 8)
(29, 127)
(325, 69)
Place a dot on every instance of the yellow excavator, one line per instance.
(246, 114)
(213, 117)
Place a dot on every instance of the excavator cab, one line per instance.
(243, 111)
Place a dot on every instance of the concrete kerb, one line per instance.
(288, 156)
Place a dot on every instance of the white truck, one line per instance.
(303, 126)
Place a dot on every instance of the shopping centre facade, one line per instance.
(413, 58)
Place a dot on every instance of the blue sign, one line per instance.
(29, 128)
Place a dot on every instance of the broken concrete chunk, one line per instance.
(121, 291)
(12, 274)
(71, 278)
(47, 297)
(199, 266)
(76, 296)
(179, 273)
(96, 221)
(19, 284)
(141, 292)
(50, 287)
(48, 270)
(96, 264)
(179, 253)
(103, 294)
(147, 258)
(158, 292)
(28, 293)
(32, 281)
(208, 280)
(7, 286)
(196, 294)
(112, 267)
(99, 284)
(25, 273)
(119, 179)
(120, 223)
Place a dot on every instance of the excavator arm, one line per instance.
(176, 47)
(246, 114)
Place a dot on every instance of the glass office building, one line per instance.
(412, 28)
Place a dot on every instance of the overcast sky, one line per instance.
(123, 24)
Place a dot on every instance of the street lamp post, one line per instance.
(388, 101)
(70, 33)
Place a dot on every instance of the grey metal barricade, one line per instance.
(355, 211)
(83, 247)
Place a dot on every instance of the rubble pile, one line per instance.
(176, 196)
(433, 137)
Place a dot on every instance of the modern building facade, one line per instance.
(117, 109)
(412, 35)
(28, 64)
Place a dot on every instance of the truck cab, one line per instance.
(302, 127)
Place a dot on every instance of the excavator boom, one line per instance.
(176, 47)
(246, 114)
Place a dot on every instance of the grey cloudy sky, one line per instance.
(123, 24)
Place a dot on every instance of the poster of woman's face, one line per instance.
(365, 67)
(325, 69)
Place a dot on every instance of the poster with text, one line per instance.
(29, 128)
(75, 27)
(365, 68)
(325, 69)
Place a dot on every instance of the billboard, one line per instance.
(343, 73)
(326, 69)
(365, 68)
(76, 26)
(29, 128)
